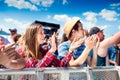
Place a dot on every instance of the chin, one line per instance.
(41, 42)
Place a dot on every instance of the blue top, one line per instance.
(64, 47)
(112, 54)
(101, 61)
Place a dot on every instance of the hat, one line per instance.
(94, 30)
(13, 30)
(69, 25)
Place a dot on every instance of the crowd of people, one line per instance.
(77, 48)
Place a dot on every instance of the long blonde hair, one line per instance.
(31, 41)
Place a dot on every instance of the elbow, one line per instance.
(75, 64)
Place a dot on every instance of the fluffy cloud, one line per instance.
(108, 15)
(119, 27)
(90, 16)
(44, 3)
(64, 17)
(21, 4)
(115, 5)
(90, 19)
(104, 27)
(64, 2)
(16, 24)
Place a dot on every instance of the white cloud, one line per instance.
(90, 16)
(90, 19)
(44, 3)
(108, 15)
(104, 27)
(64, 17)
(88, 24)
(119, 27)
(115, 4)
(21, 4)
(64, 2)
(16, 24)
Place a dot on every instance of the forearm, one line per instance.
(82, 58)
(111, 40)
(113, 62)
(94, 58)
(17, 64)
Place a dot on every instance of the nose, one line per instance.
(86, 32)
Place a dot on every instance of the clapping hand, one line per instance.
(75, 44)
(53, 43)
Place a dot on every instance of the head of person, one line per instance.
(13, 31)
(16, 37)
(98, 31)
(73, 29)
(34, 36)
(1, 41)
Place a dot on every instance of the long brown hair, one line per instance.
(31, 44)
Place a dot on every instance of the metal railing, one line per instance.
(68, 73)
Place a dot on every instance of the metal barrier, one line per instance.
(70, 73)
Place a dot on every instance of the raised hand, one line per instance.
(6, 54)
(75, 44)
(10, 58)
(92, 41)
(53, 43)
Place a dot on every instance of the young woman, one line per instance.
(36, 56)
(72, 42)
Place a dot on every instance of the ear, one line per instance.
(73, 31)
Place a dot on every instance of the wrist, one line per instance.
(51, 50)
(70, 51)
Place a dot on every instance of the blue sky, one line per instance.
(20, 13)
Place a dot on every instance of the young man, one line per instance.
(99, 54)
(12, 33)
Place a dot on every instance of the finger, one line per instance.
(11, 54)
(2, 48)
(9, 49)
(94, 38)
(6, 52)
(9, 45)
(74, 40)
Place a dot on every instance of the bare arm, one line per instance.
(90, 42)
(95, 51)
(113, 62)
(102, 50)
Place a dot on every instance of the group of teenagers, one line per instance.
(75, 50)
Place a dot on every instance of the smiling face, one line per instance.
(40, 37)
(34, 36)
